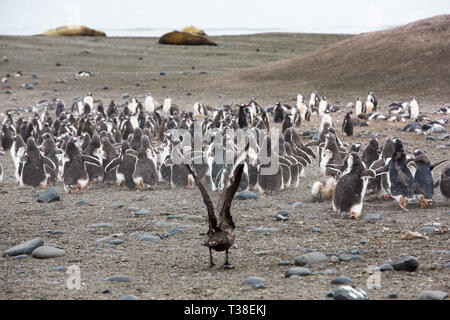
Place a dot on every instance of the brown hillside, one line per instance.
(409, 60)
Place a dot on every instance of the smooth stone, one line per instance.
(261, 253)
(406, 264)
(129, 297)
(120, 278)
(392, 295)
(362, 241)
(349, 293)
(49, 195)
(19, 257)
(150, 238)
(117, 241)
(172, 233)
(83, 203)
(25, 248)
(59, 269)
(253, 281)
(298, 271)
(125, 96)
(47, 252)
(446, 212)
(116, 205)
(283, 213)
(297, 204)
(315, 229)
(102, 225)
(264, 230)
(245, 195)
(350, 257)
(284, 263)
(142, 212)
(372, 217)
(425, 230)
(329, 271)
(132, 209)
(342, 280)
(310, 258)
(387, 266)
(433, 295)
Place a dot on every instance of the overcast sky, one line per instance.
(28, 17)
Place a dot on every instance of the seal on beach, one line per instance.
(351, 187)
(34, 172)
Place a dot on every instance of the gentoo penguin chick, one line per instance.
(50, 151)
(399, 177)
(93, 150)
(221, 234)
(347, 125)
(444, 183)
(323, 188)
(124, 166)
(34, 166)
(144, 174)
(413, 108)
(109, 153)
(270, 174)
(421, 169)
(351, 187)
(7, 137)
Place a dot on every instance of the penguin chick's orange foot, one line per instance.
(423, 203)
(141, 185)
(402, 203)
(79, 188)
(353, 216)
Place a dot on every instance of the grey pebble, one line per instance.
(372, 217)
(116, 205)
(433, 295)
(245, 195)
(342, 280)
(120, 278)
(299, 271)
(310, 258)
(49, 195)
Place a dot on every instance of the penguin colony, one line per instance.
(133, 145)
(136, 145)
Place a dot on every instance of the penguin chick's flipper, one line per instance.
(368, 173)
(434, 166)
(49, 163)
(91, 160)
(112, 165)
(132, 152)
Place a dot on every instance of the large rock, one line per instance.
(406, 264)
(47, 252)
(310, 258)
(184, 38)
(75, 30)
(24, 248)
(49, 195)
(433, 295)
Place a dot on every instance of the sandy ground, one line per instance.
(177, 267)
